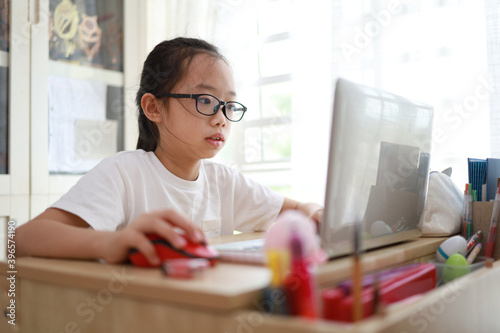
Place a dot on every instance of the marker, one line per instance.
(473, 240)
(490, 243)
(299, 284)
(473, 254)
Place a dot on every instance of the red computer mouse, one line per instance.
(166, 251)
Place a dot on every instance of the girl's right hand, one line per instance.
(163, 223)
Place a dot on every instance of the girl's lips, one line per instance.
(216, 140)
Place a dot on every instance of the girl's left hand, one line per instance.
(312, 210)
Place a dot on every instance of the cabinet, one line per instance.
(73, 69)
(14, 116)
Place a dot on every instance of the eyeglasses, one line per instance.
(208, 105)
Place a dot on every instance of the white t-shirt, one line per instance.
(131, 183)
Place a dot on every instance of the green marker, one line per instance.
(469, 212)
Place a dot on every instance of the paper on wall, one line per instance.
(79, 134)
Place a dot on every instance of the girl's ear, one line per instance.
(151, 107)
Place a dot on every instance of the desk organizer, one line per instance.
(481, 217)
(447, 273)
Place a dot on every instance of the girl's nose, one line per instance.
(219, 119)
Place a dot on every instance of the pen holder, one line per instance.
(446, 273)
(481, 218)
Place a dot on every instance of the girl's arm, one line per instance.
(59, 234)
(312, 210)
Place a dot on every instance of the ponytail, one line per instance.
(164, 67)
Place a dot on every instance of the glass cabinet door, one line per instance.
(4, 79)
(85, 83)
(77, 90)
(62, 97)
(4, 111)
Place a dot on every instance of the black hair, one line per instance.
(164, 67)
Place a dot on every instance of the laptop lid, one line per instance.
(378, 168)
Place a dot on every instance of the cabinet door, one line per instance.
(77, 92)
(72, 51)
(14, 115)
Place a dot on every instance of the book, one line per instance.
(477, 175)
(492, 175)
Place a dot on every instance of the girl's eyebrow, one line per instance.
(211, 88)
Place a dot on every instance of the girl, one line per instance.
(187, 104)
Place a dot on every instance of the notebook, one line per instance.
(377, 173)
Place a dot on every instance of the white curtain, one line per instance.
(433, 52)
(492, 9)
(189, 18)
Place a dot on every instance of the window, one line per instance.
(262, 144)
(288, 54)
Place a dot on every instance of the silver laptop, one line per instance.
(378, 169)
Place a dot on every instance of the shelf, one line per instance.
(112, 78)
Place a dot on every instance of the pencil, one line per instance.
(356, 276)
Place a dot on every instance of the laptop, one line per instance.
(377, 173)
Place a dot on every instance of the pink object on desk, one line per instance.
(280, 234)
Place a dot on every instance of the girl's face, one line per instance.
(184, 130)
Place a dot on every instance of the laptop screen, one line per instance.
(377, 169)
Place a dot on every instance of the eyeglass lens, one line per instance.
(209, 105)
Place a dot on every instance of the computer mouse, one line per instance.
(167, 251)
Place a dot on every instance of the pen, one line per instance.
(464, 216)
(473, 254)
(490, 243)
(378, 305)
(356, 279)
(469, 212)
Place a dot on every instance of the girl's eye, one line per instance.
(204, 100)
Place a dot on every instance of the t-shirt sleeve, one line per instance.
(256, 206)
(98, 197)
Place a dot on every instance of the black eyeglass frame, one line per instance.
(221, 103)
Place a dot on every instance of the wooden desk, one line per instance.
(83, 296)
